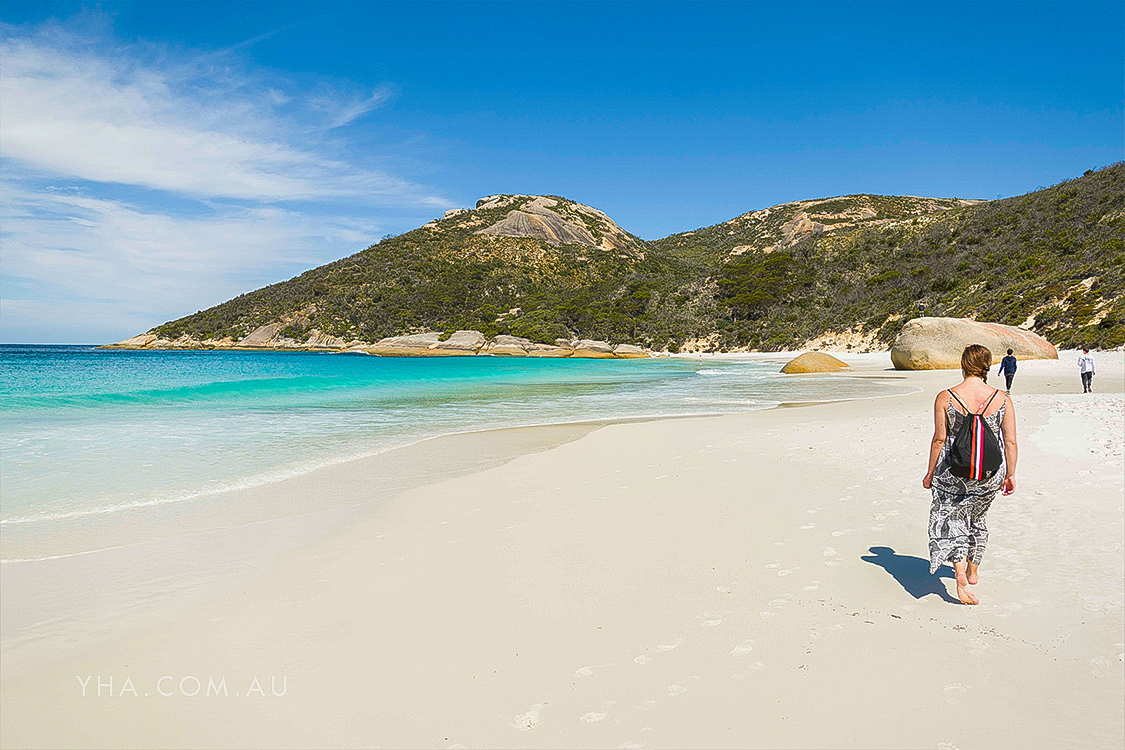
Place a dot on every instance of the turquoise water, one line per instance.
(88, 433)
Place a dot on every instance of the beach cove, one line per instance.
(754, 579)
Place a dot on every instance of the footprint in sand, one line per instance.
(711, 619)
(528, 721)
(878, 527)
(832, 563)
(773, 565)
(727, 588)
(779, 544)
(632, 746)
(809, 526)
(812, 586)
(954, 692)
(829, 551)
(662, 648)
(842, 532)
(742, 649)
(592, 716)
(675, 689)
(591, 670)
(788, 571)
(767, 613)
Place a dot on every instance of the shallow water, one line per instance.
(87, 432)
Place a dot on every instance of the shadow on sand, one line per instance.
(912, 573)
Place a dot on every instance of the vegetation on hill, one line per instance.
(770, 279)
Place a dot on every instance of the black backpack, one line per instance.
(975, 453)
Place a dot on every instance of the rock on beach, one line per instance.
(937, 343)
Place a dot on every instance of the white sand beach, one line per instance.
(750, 580)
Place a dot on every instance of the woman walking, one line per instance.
(958, 533)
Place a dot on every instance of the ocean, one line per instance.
(100, 434)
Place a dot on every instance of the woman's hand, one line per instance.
(1009, 486)
(928, 480)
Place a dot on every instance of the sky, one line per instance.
(157, 158)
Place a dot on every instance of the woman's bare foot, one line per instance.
(963, 592)
(972, 574)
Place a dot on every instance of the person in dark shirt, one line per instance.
(1008, 368)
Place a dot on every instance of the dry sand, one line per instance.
(753, 580)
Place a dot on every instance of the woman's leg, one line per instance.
(978, 537)
(963, 593)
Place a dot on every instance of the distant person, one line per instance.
(1008, 370)
(963, 493)
(1086, 367)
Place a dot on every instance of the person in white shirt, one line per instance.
(1086, 367)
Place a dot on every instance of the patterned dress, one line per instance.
(957, 526)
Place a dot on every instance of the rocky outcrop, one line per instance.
(559, 222)
(629, 351)
(541, 223)
(814, 362)
(509, 346)
(260, 336)
(937, 343)
(588, 349)
(546, 350)
(415, 345)
(459, 344)
(136, 342)
(318, 340)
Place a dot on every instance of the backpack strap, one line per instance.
(968, 411)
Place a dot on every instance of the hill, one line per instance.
(843, 271)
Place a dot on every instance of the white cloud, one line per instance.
(122, 269)
(192, 126)
(231, 180)
(342, 111)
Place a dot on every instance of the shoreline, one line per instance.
(447, 612)
(99, 522)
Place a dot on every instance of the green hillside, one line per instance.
(546, 267)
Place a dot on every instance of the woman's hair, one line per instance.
(975, 361)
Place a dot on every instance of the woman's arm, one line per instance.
(938, 440)
(1011, 452)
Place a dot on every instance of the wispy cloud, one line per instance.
(192, 127)
(342, 111)
(73, 259)
(229, 184)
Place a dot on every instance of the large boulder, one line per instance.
(629, 351)
(460, 343)
(814, 362)
(509, 346)
(937, 343)
(261, 336)
(546, 350)
(593, 349)
(140, 341)
(416, 345)
(320, 340)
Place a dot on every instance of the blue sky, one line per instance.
(157, 158)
